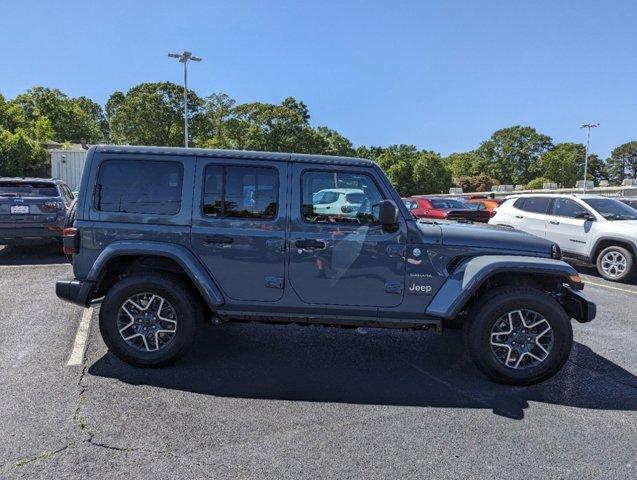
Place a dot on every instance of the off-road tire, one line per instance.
(188, 312)
(629, 272)
(497, 302)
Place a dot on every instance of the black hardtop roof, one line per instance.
(239, 154)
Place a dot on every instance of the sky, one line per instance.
(442, 75)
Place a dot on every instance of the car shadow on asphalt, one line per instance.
(418, 369)
(46, 254)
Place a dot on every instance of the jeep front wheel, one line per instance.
(615, 264)
(149, 320)
(518, 336)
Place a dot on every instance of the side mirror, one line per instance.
(387, 214)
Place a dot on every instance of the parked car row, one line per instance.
(475, 209)
(33, 210)
(598, 230)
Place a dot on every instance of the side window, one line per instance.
(533, 204)
(565, 207)
(240, 192)
(139, 186)
(337, 197)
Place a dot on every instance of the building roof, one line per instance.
(239, 154)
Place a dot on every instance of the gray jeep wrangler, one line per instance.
(171, 237)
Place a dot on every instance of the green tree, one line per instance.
(475, 183)
(22, 156)
(152, 114)
(398, 163)
(69, 122)
(270, 127)
(562, 164)
(465, 164)
(431, 175)
(538, 183)
(623, 162)
(414, 172)
(95, 113)
(330, 142)
(511, 152)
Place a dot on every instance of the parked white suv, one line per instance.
(599, 230)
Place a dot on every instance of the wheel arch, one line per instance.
(124, 258)
(478, 274)
(606, 242)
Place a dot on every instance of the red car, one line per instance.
(445, 209)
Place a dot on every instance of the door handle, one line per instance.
(309, 244)
(218, 239)
(519, 216)
(554, 222)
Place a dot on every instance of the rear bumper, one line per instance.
(74, 291)
(25, 235)
(577, 305)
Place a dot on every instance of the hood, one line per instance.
(628, 227)
(493, 238)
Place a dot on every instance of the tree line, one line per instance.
(152, 114)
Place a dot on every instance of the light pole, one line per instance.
(588, 126)
(183, 58)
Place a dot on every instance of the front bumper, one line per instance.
(74, 291)
(577, 305)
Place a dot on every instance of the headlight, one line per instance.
(556, 252)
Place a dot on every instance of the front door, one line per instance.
(238, 226)
(343, 256)
(568, 231)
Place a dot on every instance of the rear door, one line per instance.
(568, 231)
(238, 225)
(343, 258)
(530, 214)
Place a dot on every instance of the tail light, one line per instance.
(52, 206)
(70, 241)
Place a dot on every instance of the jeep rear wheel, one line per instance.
(518, 336)
(149, 320)
(615, 263)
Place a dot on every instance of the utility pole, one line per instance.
(588, 126)
(183, 58)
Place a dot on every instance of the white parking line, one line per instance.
(79, 346)
(36, 265)
(588, 282)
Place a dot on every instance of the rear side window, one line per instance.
(533, 204)
(240, 192)
(28, 189)
(139, 186)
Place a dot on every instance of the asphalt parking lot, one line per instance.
(265, 401)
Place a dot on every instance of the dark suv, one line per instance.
(33, 209)
(171, 237)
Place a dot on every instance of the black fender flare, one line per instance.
(197, 273)
(471, 274)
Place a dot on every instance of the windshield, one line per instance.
(447, 204)
(28, 189)
(612, 209)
